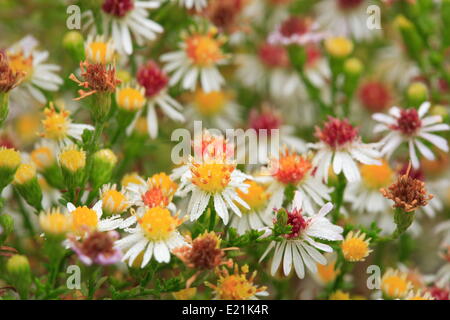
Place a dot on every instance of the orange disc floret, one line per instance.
(291, 168)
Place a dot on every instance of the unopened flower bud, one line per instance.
(73, 42)
(26, 183)
(352, 69)
(6, 226)
(353, 66)
(103, 163)
(113, 201)
(417, 93)
(338, 47)
(439, 110)
(73, 163)
(9, 162)
(45, 161)
(54, 222)
(19, 272)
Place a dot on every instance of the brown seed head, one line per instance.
(407, 193)
(97, 77)
(9, 78)
(204, 254)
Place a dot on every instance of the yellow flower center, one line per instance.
(9, 158)
(204, 50)
(18, 63)
(212, 177)
(355, 247)
(130, 99)
(54, 222)
(43, 157)
(55, 124)
(256, 197)
(235, 287)
(114, 201)
(209, 103)
(73, 159)
(24, 173)
(84, 218)
(395, 285)
(158, 223)
(376, 177)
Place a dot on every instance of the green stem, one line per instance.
(212, 219)
(339, 196)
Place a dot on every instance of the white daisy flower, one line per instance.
(123, 19)
(293, 169)
(84, 219)
(411, 126)
(197, 60)
(213, 178)
(340, 145)
(346, 18)
(155, 235)
(155, 81)
(256, 217)
(301, 247)
(58, 127)
(23, 57)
